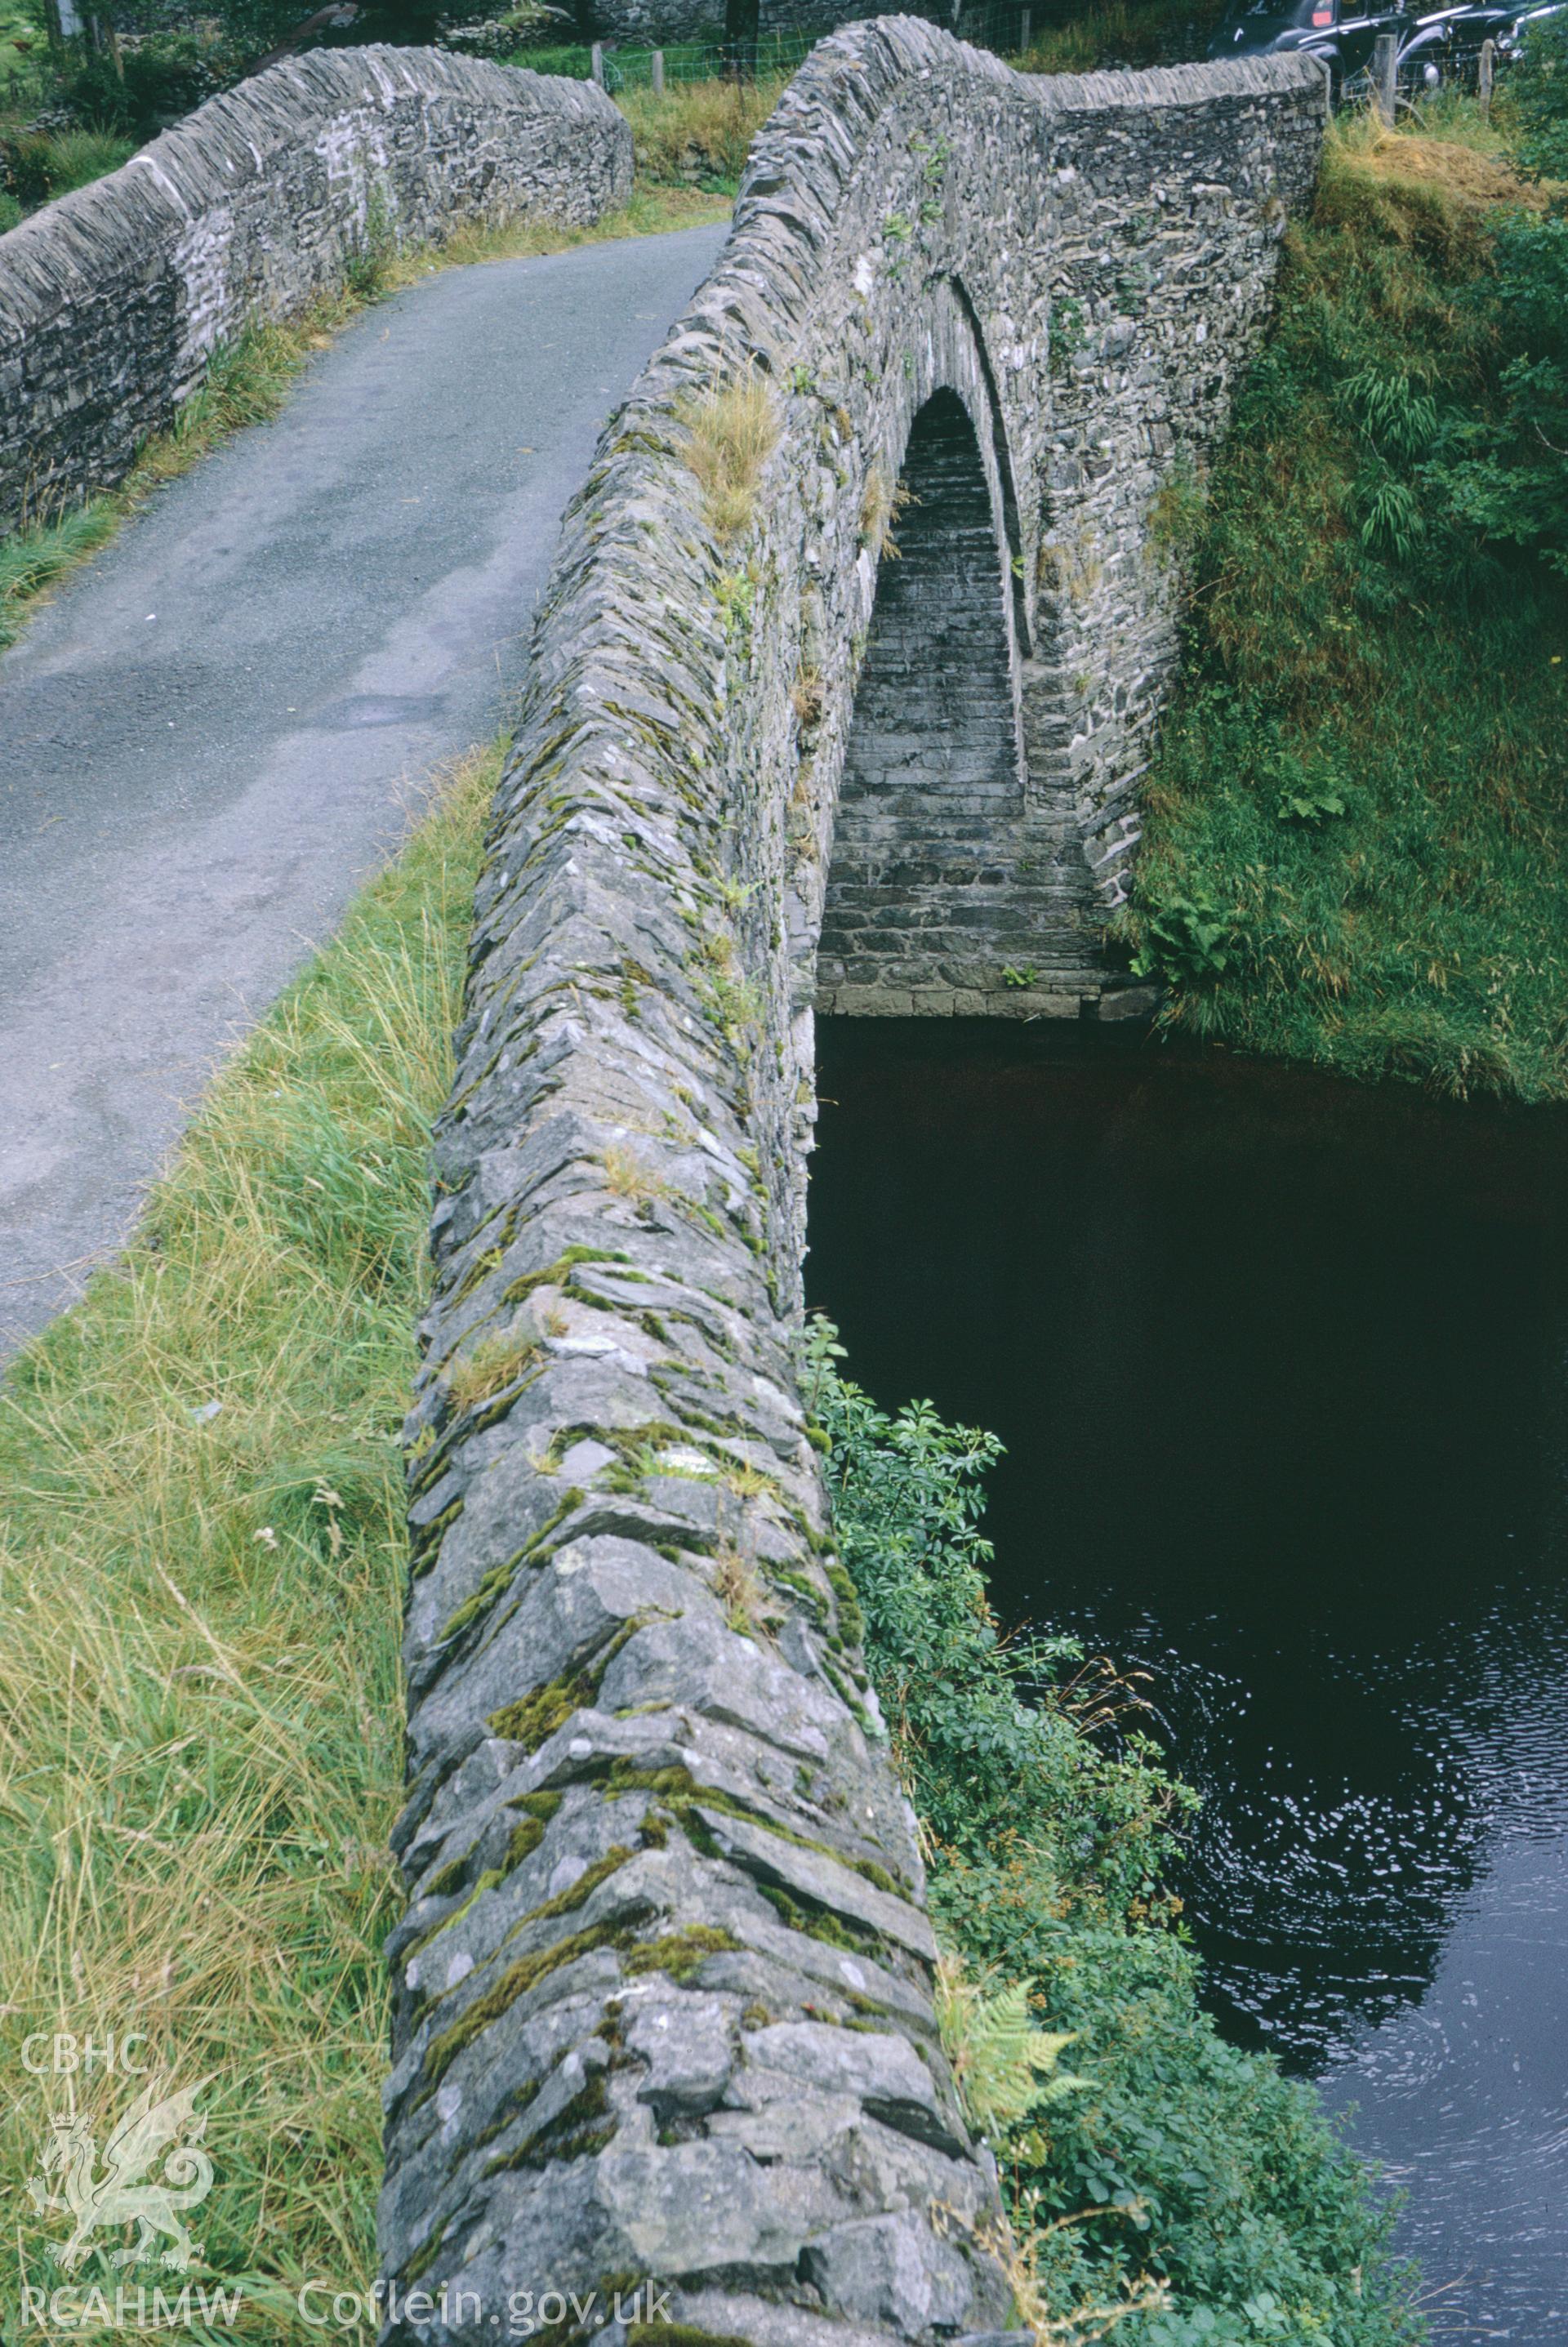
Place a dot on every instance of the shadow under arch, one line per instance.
(1004, 491)
(933, 784)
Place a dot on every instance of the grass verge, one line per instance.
(247, 381)
(1356, 841)
(201, 1562)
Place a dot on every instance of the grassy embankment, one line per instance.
(200, 1709)
(1356, 849)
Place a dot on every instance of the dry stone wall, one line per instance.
(112, 299)
(664, 1985)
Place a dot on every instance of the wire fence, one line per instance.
(1063, 35)
(1006, 26)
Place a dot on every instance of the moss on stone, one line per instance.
(587, 1884)
(534, 1718)
(680, 1953)
(514, 1983)
(851, 1620)
(820, 1924)
(555, 1275)
(679, 2334)
(583, 2125)
(530, 1831)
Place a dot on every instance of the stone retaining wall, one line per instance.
(112, 299)
(664, 1988)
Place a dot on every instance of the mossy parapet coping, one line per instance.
(681, 2026)
(112, 299)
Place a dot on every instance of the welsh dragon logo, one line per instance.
(116, 2195)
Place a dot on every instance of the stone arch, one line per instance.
(933, 768)
(613, 2032)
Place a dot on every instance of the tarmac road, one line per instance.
(217, 730)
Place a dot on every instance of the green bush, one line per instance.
(37, 170)
(1502, 471)
(1359, 794)
(1205, 2169)
(164, 77)
(1537, 100)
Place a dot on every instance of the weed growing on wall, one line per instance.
(732, 431)
(1356, 839)
(1159, 2173)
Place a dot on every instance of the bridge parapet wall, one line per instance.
(112, 299)
(663, 1992)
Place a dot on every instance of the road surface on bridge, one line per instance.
(217, 730)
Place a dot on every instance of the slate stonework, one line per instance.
(663, 1991)
(112, 299)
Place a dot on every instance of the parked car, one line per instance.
(1342, 35)
(1443, 48)
(1438, 47)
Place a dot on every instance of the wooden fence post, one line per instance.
(1026, 26)
(595, 63)
(656, 72)
(1483, 77)
(1385, 54)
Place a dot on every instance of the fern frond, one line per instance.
(1005, 2066)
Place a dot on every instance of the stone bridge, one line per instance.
(113, 299)
(856, 718)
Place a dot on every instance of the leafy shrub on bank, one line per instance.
(161, 77)
(1536, 98)
(1359, 797)
(1179, 2161)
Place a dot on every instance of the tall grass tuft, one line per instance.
(76, 158)
(201, 1556)
(698, 131)
(732, 430)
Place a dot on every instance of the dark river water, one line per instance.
(1281, 1365)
